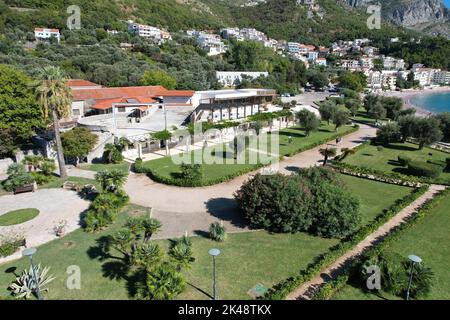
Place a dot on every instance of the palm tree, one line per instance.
(182, 255)
(327, 153)
(55, 99)
(33, 162)
(111, 180)
(164, 283)
(151, 226)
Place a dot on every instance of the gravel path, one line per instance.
(194, 209)
(54, 205)
(306, 291)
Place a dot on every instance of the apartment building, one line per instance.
(233, 78)
(211, 43)
(149, 32)
(390, 63)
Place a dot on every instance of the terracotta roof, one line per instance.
(107, 104)
(118, 92)
(81, 83)
(178, 93)
(42, 29)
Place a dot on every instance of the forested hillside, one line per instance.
(92, 54)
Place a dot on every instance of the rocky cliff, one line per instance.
(430, 16)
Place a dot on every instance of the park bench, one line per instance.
(68, 185)
(25, 188)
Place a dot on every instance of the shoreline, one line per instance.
(407, 96)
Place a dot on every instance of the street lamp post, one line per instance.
(214, 253)
(414, 259)
(29, 253)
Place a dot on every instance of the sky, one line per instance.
(447, 3)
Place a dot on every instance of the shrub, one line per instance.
(395, 274)
(314, 200)
(439, 163)
(138, 166)
(380, 148)
(9, 243)
(48, 166)
(191, 173)
(41, 178)
(448, 164)
(112, 153)
(423, 169)
(104, 209)
(404, 160)
(336, 211)
(217, 232)
(17, 176)
(276, 203)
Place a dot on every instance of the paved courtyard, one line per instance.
(54, 205)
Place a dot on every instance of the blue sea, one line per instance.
(435, 102)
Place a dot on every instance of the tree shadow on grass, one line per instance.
(100, 251)
(292, 134)
(401, 147)
(227, 210)
(402, 170)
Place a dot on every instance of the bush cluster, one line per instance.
(314, 201)
(404, 160)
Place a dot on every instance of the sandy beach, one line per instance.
(407, 96)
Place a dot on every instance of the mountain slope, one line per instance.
(429, 16)
(280, 19)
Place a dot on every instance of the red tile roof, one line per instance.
(119, 92)
(105, 97)
(81, 83)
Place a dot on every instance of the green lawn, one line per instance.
(18, 216)
(247, 259)
(363, 117)
(123, 167)
(221, 165)
(374, 196)
(428, 239)
(387, 159)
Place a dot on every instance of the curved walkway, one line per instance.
(54, 205)
(307, 290)
(193, 209)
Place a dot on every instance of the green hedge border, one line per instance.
(331, 288)
(285, 287)
(179, 183)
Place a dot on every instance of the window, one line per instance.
(121, 109)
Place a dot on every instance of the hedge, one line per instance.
(283, 288)
(424, 169)
(139, 167)
(328, 290)
(8, 248)
(404, 160)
